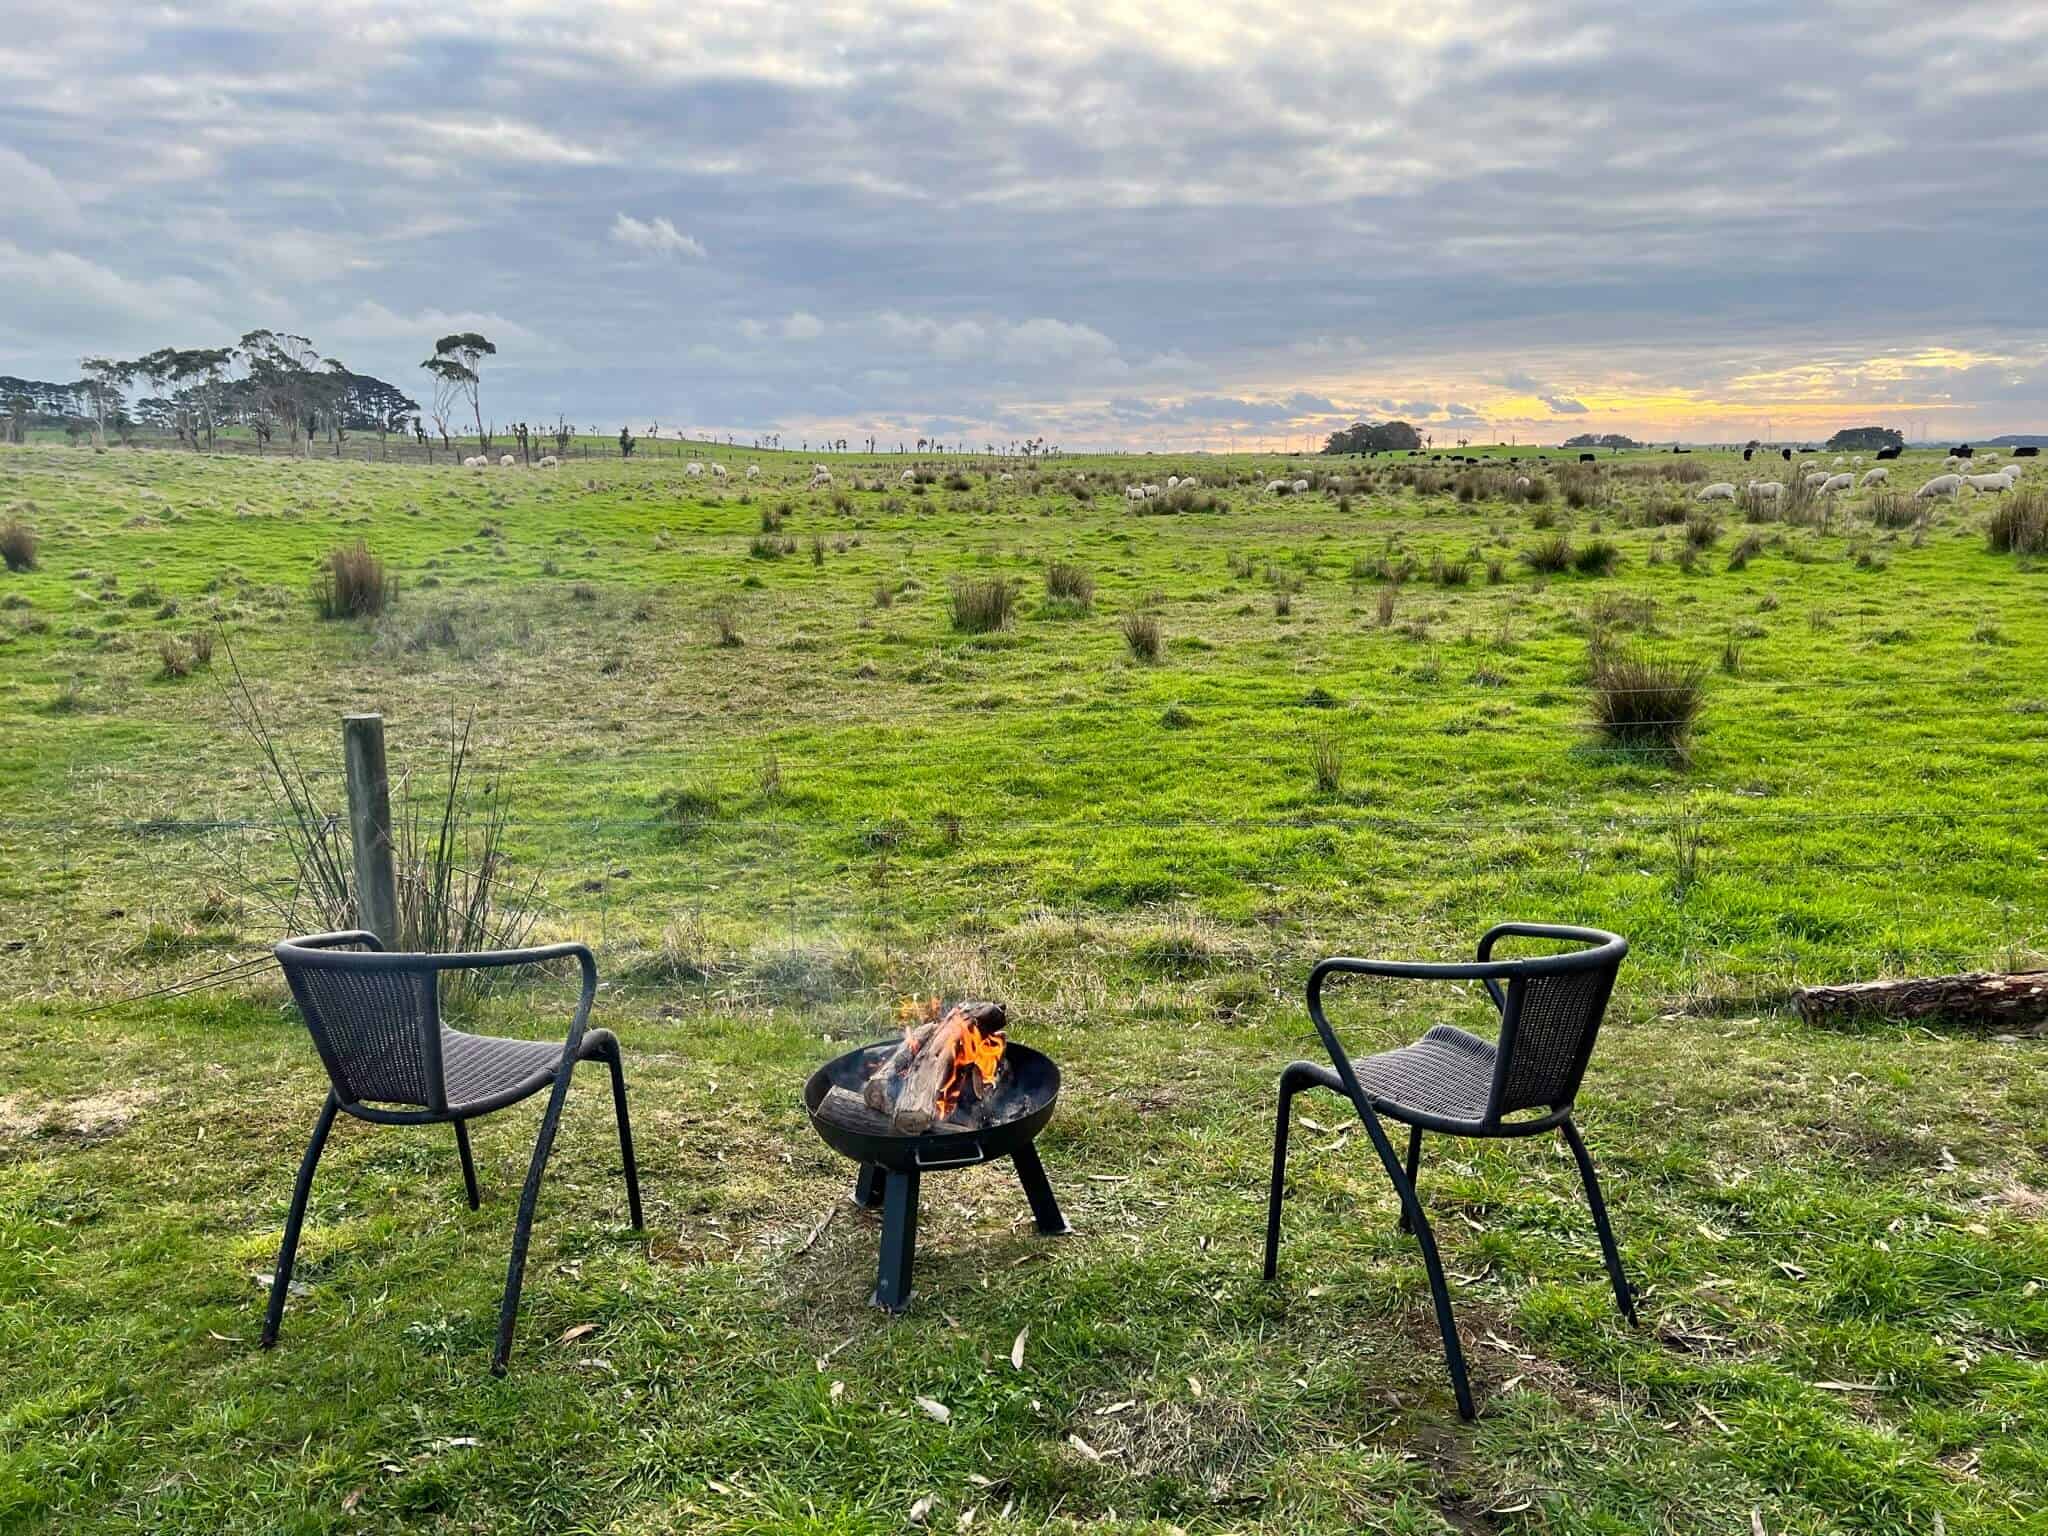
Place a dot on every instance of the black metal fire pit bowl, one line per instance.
(892, 1166)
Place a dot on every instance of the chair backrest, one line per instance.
(1550, 1014)
(375, 1018)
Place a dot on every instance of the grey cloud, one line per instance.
(991, 218)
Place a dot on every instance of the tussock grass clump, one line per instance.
(353, 584)
(1751, 546)
(1326, 762)
(1702, 529)
(176, 661)
(18, 545)
(1891, 509)
(1384, 610)
(2019, 523)
(202, 648)
(725, 629)
(1141, 634)
(1641, 702)
(982, 604)
(1069, 583)
(1598, 558)
(1549, 557)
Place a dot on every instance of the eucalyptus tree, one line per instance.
(457, 367)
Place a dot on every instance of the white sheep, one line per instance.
(1006, 477)
(908, 477)
(1189, 481)
(507, 462)
(1817, 479)
(1759, 491)
(1839, 461)
(1940, 485)
(753, 471)
(1878, 476)
(1300, 485)
(1994, 484)
(1521, 484)
(718, 472)
(1990, 458)
(1856, 459)
(549, 461)
(1150, 491)
(694, 470)
(1134, 493)
(1950, 462)
(1279, 487)
(1720, 490)
(1835, 483)
(1809, 464)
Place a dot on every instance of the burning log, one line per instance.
(843, 1107)
(1981, 997)
(923, 1079)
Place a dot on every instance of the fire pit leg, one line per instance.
(867, 1186)
(899, 1240)
(1038, 1190)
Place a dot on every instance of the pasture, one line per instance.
(784, 756)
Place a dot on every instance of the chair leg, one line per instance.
(287, 1252)
(1414, 1167)
(515, 1273)
(468, 1164)
(1624, 1294)
(1418, 1222)
(615, 1060)
(1292, 1081)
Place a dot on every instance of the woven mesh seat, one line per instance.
(1447, 1073)
(376, 1020)
(1457, 1084)
(480, 1069)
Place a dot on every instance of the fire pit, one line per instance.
(951, 1093)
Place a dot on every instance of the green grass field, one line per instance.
(749, 758)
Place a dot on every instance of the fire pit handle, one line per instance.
(973, 1156)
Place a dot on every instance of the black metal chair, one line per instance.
(376, 1020)
(1457, 1084)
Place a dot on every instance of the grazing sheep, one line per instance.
(1875, 477)
(1172, 481)
(1720, 490)
(753, 471)
(1521, 484)
(1940, 485)
(1279, 487)
(1757, 492)
(718, 471)
(507, 462)
(694, 470)
(1150, 490)
(1301, 485)
(1188, 482)
(548, 461)
(1834, 483)
(1840, 461)
(1134, 493)
(908, 477)
(1994, 484)
(1815, 479)
(1006, 476)
(1990, 458)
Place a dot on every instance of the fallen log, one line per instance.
(1978, 997)
(907, 1084)
(885, 1082)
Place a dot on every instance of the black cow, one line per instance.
(1785, 454)
(2027, 451)
(1586, 458)
(1889, 453)
(1748, 454)
(1965, 451)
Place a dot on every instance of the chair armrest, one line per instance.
(1405, 970)
(491, 959)
(336, 940)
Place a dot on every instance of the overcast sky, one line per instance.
(1172, 225)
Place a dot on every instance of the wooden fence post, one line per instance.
(369, 825)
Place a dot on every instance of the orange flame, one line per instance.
(977, 1050)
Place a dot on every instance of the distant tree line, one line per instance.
(272, 384)
(1600, 440)
(1862, 438)
(1374, 437)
